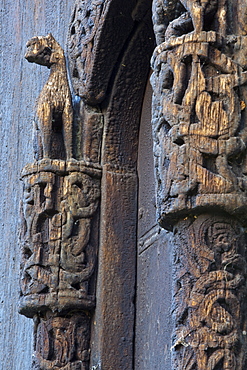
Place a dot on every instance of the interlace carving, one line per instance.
(59, 252)
(209, 295)
(66, 342)
(83, 27)
(59, 230)
(199, 113)
(200, 138)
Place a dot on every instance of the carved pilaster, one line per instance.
(60, 220)
(62, 342)
(59, 258)
(200, 137)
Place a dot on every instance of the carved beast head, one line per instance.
(43, 50)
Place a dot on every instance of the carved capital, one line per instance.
(200, 139)
(199, 115)
(60, 218)
(59, 253)
(62, 343)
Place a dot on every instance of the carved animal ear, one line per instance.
(50, 37)
(50, 40)
(54, 58)
(52, 44)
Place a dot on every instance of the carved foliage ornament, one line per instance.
(199, 111)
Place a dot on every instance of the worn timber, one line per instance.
(60, 217)
(199, 127)
(78, 273)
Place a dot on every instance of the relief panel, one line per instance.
(199, 114)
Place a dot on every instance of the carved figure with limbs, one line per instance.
(54, 105)
(184, 16)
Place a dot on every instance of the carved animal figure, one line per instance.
(54, 105)
(198, 9)
(179, 22)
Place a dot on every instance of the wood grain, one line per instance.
(199, 118)
(209, 294)
(20, 85)
(199, 127)
(59, 229)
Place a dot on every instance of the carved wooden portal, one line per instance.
(199, 130)
(200, 137)
(79, 207)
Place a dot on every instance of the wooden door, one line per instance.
(153, 293)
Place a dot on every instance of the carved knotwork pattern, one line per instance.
(62, 342)
(60, 217)
(199, 113)
(59, 252)
(83, 27)
(209, 307)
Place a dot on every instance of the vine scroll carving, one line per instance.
(200, 137)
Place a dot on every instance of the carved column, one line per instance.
(59, 249)
(109, 48)
(200, 136)
(60, 221)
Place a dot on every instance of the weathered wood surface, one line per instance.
(19, 87)
(62, 342)
(98, 33)
(59, 236)
(200, 112)
(154, 272)
(209, 294)
(117, 269)
(199, 127)
(59, 229)
(59, 233)
(54, 121)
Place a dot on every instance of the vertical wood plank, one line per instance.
(19, 88)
